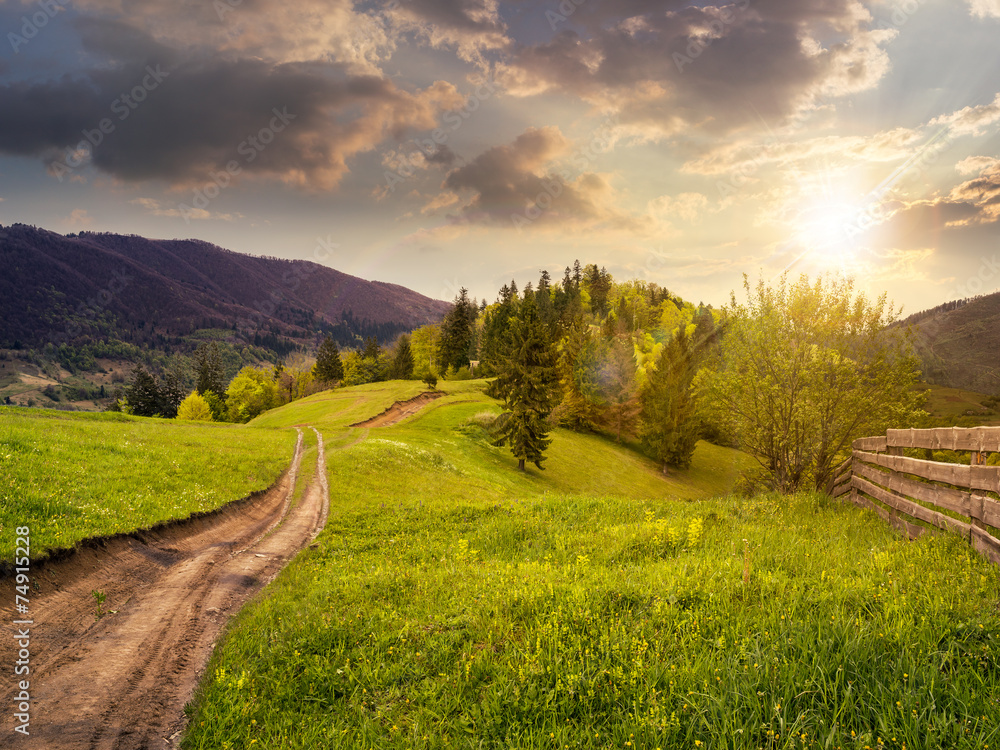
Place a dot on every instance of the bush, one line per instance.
(195, 408)
(431, 380)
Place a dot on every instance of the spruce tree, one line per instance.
(328, 367)
(669, 428)
(143, 394)
(457, 331)
(210, 371)
(525, 384)
(402, 363)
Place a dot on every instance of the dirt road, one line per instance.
(122, 681)
(399, 411)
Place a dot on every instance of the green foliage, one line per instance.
(210, 371)
(328, 368)
(669, 428)
(458, 332)
(525, 384)
(195, 408)
(806, 369)
(359, 369)
(147, 396)
(402, 360)
(217, 404)
(252, 392)
(431, 380)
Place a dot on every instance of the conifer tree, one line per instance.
(669, 429)
(457, 331)
(402, 362)
(525, 384)
(328, 367)
(210, 371)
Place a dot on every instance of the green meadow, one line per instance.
(453, 602)
(69, 476)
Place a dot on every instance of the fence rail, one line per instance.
(909, 492)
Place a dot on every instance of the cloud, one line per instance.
(298, 123)
(687, 206)
(469, 26)
(78, 218)
(971, 120)
(307, 30)
(985, 8)
(158, 208)
(520, 184)
(669, 68)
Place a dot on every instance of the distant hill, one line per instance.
(959, 343)
(77, 288)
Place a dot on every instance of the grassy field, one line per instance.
(72, 475)
(957, 407)
(452, 602)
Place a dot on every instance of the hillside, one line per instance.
(959, 344)
(75, 288)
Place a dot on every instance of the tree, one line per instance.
(669, 428)
(618, 386)
(251, 393)
(143, 394)
(372, 349)
(457, 332)
(210, 372)
(525, 384)
(195, 408)
(431, 380)
(807, 368)
(402, 361)
(328, 368)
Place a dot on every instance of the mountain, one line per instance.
(959, 343)
(77, 288)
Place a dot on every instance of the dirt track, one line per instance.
(122, 681)
(399, 411)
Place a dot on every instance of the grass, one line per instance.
(954, 406)
(70, 476)
(452, 602)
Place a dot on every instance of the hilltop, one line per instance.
(73, 288)
(959, 343)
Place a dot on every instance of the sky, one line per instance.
(447, 143)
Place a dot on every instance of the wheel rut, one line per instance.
(120, 682)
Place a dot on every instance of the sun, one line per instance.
(825, 233)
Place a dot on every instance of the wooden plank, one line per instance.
(865, 502)
(959, 475)
(911, 508)
(840, 489)
(844, 466)
(912, 530)
(987, 545)
(985, 478)
(985, 439)
(870, 444)
(944, 497)
(987, 510)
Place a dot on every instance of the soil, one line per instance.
(400, 411)
(121, 681)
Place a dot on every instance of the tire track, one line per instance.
(121, 682)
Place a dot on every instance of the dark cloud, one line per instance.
(197, 117)
(517, 184)
(443, 156)
(671, 66)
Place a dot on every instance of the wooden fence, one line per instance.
(902, 489)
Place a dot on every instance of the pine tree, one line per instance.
(402, 363)
(618, 386)
(210, 371)
(669, 428)
(525, 384)
(457, 331)
(372, 350)
(328, 367)
(143, 394)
